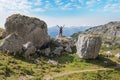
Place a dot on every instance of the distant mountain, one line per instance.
(67, 31)
(109, 32)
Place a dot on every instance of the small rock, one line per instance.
(105, 62)
(47, 51)
(36, 60)
(58, 50)
(53, 62)
(117, 55)
(68, 49)
(109, 54)
(29, 49)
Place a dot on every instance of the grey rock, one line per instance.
(12, 43)
(68, 48)
(53, 62)
(36, 60)
(117, 55)
(58, 50)
(27, 29)
(88, 46)
(30, 50)
(3, 34)
(109, 31)
(109, 54)
(47, 51)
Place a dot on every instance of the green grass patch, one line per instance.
(98, 75)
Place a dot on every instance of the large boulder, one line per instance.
(22, 29)
(88, 46)
(12, 43)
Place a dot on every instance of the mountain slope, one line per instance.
(109, 32)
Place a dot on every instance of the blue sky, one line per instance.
(60, 12)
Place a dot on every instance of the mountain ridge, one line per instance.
(67, 31)
(109, 32)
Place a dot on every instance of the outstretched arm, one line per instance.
(63, 26)
(58, 26)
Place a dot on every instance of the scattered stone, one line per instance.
(117, 55)
(29, 51)
(68, 49)
(53, 62)
(3, 35)
(25, 77)
(109, 53)
(105, 62)
(58, 50)
(88, 46)
(47, 51)
(36, 60)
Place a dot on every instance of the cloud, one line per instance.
(8, 7)
(77, 6)
(39, 10)
(38, 3)
(90, 2)
(115, 7)
(59, 2)
(67, 6)
(31, 7)
(80, 0)
(48, 5)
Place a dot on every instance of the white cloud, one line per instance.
(8, 7)
(39, 10)
(38, 2)
(81, 0)
(48, 5)
(77, 6)
(67, 6)
(90, 2)
(59, 2)
(112, 7)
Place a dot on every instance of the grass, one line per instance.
(98, 75)
(15, 67)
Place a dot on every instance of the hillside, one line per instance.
(67, 31)
(109, 32)
(18, 68)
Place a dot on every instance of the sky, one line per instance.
(63, 12)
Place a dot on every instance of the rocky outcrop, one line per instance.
(108, 32)
(23, 29)
(88, 46)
